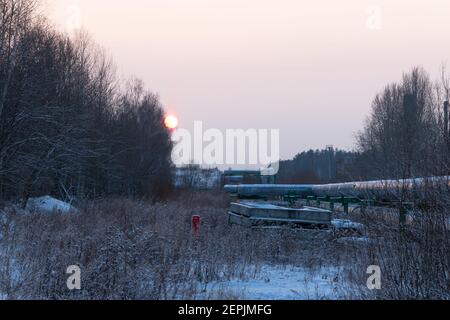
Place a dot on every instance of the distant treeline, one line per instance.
(320, 166)
(67, 126)
(406, 135)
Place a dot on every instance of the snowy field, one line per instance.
(281, 283)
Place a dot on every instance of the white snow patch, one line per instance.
(346, 224)
(48, 204)
(281, 283)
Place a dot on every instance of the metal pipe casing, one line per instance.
(380, 189)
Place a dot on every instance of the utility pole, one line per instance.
(330, 149)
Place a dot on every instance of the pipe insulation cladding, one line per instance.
(376, 190)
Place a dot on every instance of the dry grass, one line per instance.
(414, 259)
(137, 250)
(131, 249)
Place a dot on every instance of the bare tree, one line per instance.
(67, 128)
(403, 133)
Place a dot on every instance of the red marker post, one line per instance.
(196, 220)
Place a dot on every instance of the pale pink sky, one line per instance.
(308, 68)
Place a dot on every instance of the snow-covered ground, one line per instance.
(281, 283)
(277, 283)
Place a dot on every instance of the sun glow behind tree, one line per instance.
(171, 122)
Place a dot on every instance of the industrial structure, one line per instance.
(248, 177)
(401, 194)
(380, 190)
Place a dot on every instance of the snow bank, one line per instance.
(48, 204)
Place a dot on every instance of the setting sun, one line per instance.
(171, 122)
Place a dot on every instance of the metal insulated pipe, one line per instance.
(380, 189)
(265, 190)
